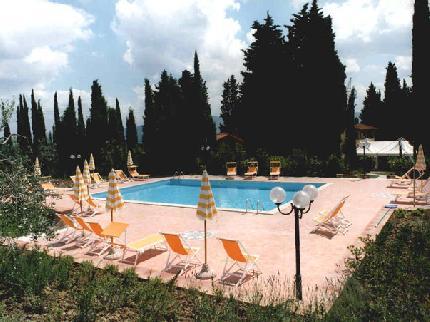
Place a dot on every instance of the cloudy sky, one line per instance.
(52, 45)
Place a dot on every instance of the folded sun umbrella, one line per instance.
(92, 166)
(86, 173)
(80, 189)
(206, 209)
(37, 171)
(114, 201)
(129, 160)
(420, 165)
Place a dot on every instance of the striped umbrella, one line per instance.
(92, 165)
(114, 199)
(420, 165)
(80, 188)
(129, 160)
(86, 173)
(37, 171)
(206, 209)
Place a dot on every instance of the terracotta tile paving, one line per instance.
(269, 236)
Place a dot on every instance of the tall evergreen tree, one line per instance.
(405, 104)
(372, 107)
(391, 118)
(350, 133)
(5, 124)
(34, 122)
(23, 126)
(320, 81)
(97, 127)
(421, 70)
(131, 130)
(69, 143)
(263, 105)
(119, 126)
(149, 138)
(230, 106)
(205, 126)
(81, 129)
(57, 119)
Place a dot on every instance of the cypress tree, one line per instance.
(119, 136)
(5, 125)
(204, 126)
(131, 131)
(149, 138)
(34, 120)
(350, 133)
(372, 107)
(229, 106)
(391, 118)
(69, 143)
(25, 140)
(320, 80)
(19, 122)
(263, 88)
(81, 128)
(97, 127)
(56, 119)
(420, 70)
(405, 131)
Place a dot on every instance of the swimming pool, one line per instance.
(229, 194)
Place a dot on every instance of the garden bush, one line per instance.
(399, 165)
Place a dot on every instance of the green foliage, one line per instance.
(399, 165)
(131, 131)
(390, 275)
(372, 107)
(22, 209)
(230, 106)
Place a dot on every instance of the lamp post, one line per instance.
(302, 199)
(75, 157)
(205, 151)
(365, 145)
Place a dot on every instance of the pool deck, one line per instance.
(269, 236)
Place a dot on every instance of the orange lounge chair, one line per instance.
(241, 258)
(97, 178)
(333, 220)
(136, 175)
(91, 203)
(97, 231)
(180, 248)
(139, 246)
(48, 186)
(71, 228)
(275, 169)
(231, 169)
(252, 169)
(120, 176)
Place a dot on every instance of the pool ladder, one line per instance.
(178, 174)
(250, 206)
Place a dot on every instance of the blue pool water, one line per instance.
(228, 194)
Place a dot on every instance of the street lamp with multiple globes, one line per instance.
(365, 145)
(301, 200)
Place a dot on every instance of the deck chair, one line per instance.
(231, 169)
(97, 231)
(241, 258)
(89, 201)
(406, 178)
(252, 169)
(141, 245)
(120, 176)
(71, 229)
(87, 240)
(48, 186)
(179, 248)
(275, 170)
(97, 178)
(333, 220)
(136, 175)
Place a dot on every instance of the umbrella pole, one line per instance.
(111, 220)
(206, 247)
(80, 203)
(414, 186)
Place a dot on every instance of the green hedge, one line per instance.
(390, 276)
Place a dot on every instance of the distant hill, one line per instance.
(217, 120)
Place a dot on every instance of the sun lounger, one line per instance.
(85, 228)
(48, 186)
(180, 249)
(333, 220)
(241, 258)
(231, 169)
(97, 178)
(120, 176)
(275, 170)
(252, 169)
(139, 246)
(89, 201)
(136, 175)
(71, 228)
(97, 231)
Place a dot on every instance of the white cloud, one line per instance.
(352, 65)
(404, 63)
(36, 38)
(163, 34)
(299, 3)
(365, 19)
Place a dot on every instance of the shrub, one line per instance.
(399, 165)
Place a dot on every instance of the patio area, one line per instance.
(269, 236)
